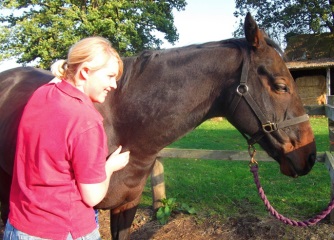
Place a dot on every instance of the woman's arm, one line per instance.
(92, 194)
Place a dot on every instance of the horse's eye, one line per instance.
(281, 87)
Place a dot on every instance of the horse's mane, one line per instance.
(148, 55)
(273, 44)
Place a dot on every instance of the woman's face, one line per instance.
(100, 82)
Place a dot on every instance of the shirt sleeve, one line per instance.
(89, 155)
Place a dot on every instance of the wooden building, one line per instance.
(311, 63)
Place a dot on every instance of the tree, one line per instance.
(43, 30)
(284, 18)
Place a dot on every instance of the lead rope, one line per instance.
(254, 169)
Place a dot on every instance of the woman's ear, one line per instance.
(84, 73)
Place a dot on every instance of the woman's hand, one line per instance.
(117, 160)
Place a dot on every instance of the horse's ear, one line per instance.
(252, 32)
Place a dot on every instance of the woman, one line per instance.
(60, 169)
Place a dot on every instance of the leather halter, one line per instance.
(268, 126)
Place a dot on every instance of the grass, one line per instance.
(221, 135)
(226, 188)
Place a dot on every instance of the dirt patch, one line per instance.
(247, 227)
(182, 226)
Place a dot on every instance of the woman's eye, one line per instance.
(280, 87)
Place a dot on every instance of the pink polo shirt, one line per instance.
(61, 142)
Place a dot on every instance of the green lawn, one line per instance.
(221, 135)
(226, 188)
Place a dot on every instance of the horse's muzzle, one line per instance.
(300, 161)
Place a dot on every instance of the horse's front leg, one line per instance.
(120, 223)
(126, 192)
(5, 183)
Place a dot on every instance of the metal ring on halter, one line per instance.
(243, 88)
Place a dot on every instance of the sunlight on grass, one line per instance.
(221, 135)
(320, 129)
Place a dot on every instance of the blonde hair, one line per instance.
(85, 51)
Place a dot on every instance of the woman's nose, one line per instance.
(113, 83)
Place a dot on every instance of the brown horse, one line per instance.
(165, 94)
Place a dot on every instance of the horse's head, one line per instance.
(267, 109)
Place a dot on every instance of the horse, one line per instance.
(163, 95)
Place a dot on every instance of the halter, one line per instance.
(268, 126)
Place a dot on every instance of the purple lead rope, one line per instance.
(312, 221)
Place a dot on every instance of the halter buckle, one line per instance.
(269, 127)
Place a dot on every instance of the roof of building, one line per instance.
(309, 64)
(310, 51)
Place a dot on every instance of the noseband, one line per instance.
(268, 126)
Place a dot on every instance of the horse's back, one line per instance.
(16, 87)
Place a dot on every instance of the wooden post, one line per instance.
(331, 134)
(329, 161)
(158, 183)
(329, 158)
(328, 83)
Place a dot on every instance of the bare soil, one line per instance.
(192, 227)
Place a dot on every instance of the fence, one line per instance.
(328, 157)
